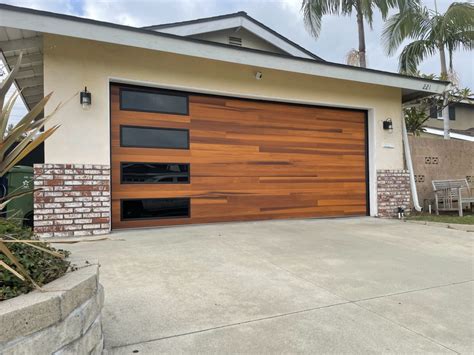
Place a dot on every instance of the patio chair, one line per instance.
(450, 193)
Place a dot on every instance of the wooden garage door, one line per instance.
(180, 159)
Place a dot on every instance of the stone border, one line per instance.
(63, 318)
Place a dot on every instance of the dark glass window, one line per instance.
(155, 208)
(150, 137)
(452, 113)
(155, 173)
(153, 101)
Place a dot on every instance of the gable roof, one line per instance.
(235, 20)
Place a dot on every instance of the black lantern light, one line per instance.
(388, 125)
(86, 99)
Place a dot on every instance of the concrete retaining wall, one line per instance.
(64, 318)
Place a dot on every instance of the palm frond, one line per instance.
(413, 23)
(413, 54)
(366, 8)
(459, 15)
(314, 10)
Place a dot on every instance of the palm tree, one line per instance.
(431, 32)
(314, 10)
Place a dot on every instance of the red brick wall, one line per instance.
(393, 191)
(74, 200)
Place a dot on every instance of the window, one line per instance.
(153, 101)
(452, 113)
(437, 112)
(150, 137)
(155, 208)
(154, 173)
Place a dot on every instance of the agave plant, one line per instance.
(16, 142)
(26, 133)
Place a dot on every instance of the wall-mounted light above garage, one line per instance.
(388, 125)
(86, 99)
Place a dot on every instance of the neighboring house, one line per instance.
(218, 119)
(461, 121)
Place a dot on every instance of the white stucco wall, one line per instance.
(70, 64)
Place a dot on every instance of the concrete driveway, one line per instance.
(336, 285)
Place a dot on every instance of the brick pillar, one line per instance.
(393, 191)
(74, 200)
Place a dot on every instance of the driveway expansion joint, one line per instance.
(232, 324)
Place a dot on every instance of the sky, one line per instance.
(338, 35)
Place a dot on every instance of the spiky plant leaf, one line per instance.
(13, 271)
(6, 84)
(5, 114)
(22, 130)
(4, 249)
(18, 154)
(7, 199)
(33, 113)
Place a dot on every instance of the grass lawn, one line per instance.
(466, 219)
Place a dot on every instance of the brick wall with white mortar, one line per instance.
(393, 191)
(73, 200)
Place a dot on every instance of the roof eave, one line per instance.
(52, 23)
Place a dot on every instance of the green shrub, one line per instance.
(41, 266)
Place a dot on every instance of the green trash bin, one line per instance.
(20, 178)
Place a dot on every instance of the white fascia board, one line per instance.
(233, 22)
(440, 132)
(129, 36)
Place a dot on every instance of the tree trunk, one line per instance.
(442, 57)
(446, 116)
(444, 76)
(360, 26)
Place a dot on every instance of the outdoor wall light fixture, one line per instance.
(86, 99)
(388, 125)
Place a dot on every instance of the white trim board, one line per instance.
(63, 25)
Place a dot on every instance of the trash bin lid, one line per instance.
(21, 169)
